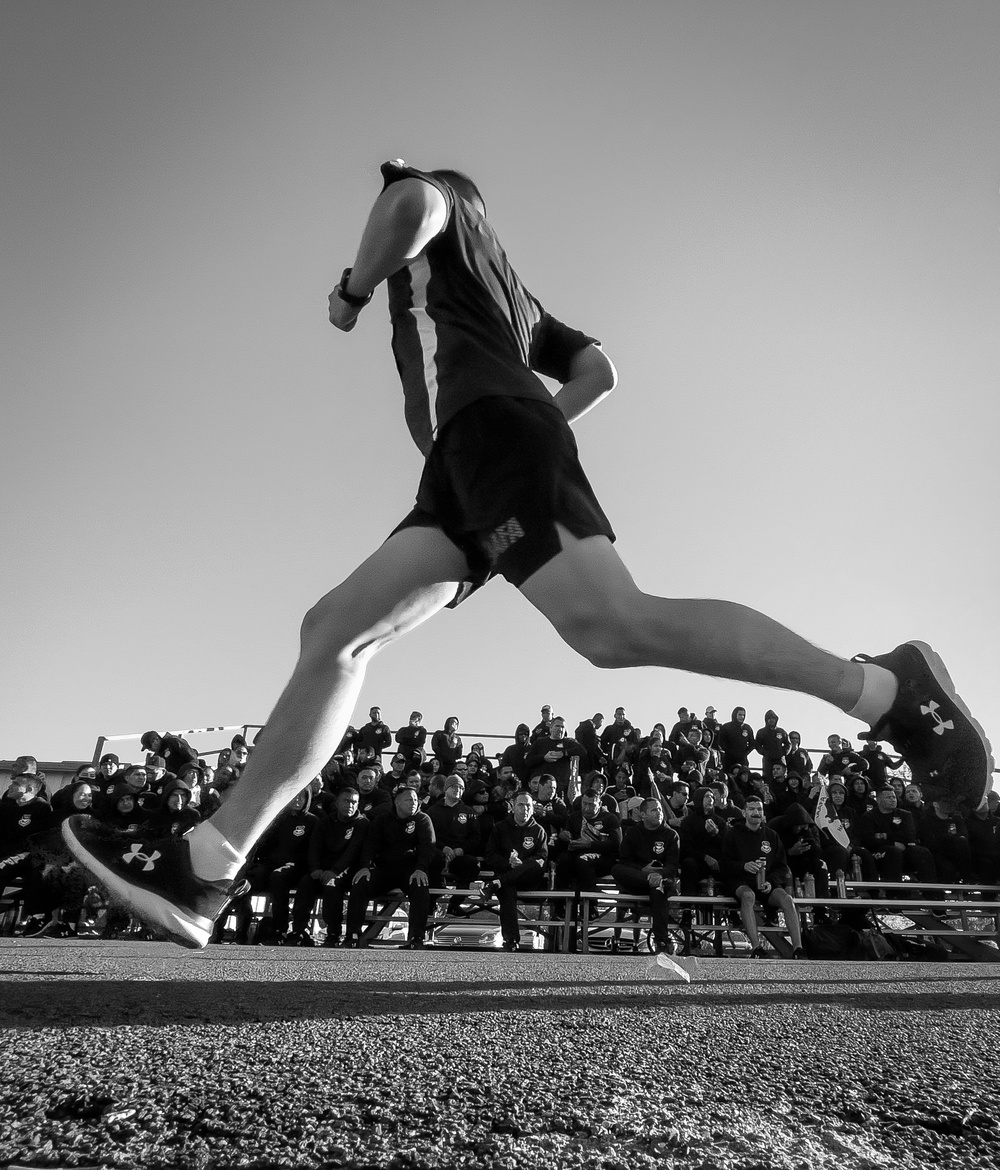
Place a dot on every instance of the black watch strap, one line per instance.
(349, 298)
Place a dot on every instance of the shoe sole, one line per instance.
(153, 910)
(944, 681)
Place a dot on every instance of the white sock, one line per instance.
(877, 693)
(212, 857)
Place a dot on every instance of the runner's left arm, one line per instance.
(592, 377)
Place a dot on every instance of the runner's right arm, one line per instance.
(402, 222)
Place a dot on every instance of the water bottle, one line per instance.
(810, 886)
(841, 884)
(710, 888)
(761, 874)
(798, 889)
(856, 868)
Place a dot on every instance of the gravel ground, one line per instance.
(140, 1054)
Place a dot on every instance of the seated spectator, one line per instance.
(479, 766)
(945, 836)
(913, 802)
(156, 777)
(433, 793)
(860, 797)
(364, 757)
(803, 847)
(551, 811)
(125, 814)
(334, 856)
(984, 846)
(175, 816)
(676, 806)
(398, 853)
(740, 780)
(795, 792)
(446, 745)
(516, 852)
(691, 751)
(108, 768)
(702, 832)
(25, 816)
(593, 838)
(728, 805)
(647, 865)
(515, 753)
(837, 854)
(458, 840)
(76, 798)
(399, 765)
(993, 802)
(555, 754)
(595, 784)
(375, 734)
(890, 835)
(411, 740)
(754, 871)
(654, 764)
(283, 856)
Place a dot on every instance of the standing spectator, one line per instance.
(735, 741)
(754, 870)
(334, 854)
(398, 852)
(586, 735)
(710, 724)
(772, 743)
(879, 763)
(686, 721)
(554, 754)
(542, 727)
(840, 757)
(176, 752)
(514, 754)
(516, 852)
(650, 855)
(797, 759)
(375, 734)
(411, 739)
(615, 735)
(447, 745)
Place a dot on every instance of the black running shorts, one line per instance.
(500, 475)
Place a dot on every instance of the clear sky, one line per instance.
(781, 219)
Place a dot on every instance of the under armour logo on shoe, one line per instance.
(135, 853)
(941, 725)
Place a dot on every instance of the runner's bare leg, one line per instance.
(589, 596)
(409, 579)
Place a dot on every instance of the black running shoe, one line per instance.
(151, 878)
(947, 752)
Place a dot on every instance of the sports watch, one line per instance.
(349, 298)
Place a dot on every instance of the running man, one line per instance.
(502, 493)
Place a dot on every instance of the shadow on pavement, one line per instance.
(195, 1003)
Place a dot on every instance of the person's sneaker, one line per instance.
(947, 751)
(150, 878)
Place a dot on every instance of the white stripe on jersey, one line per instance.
(420, 274)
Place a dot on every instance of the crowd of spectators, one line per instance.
(678, 810)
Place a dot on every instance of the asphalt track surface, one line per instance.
(141, 1054)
